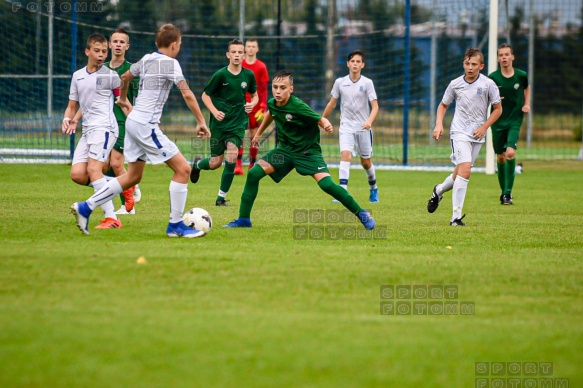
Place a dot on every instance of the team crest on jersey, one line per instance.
(361, 88)
(516, 86)
(99, 81)
(479, 91)
(288, 117)
(243, 85)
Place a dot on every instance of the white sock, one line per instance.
(178, 195)
(344, 174)
(104, 194)
(223, 193)
(446, 186)
(460, 187)
(371, 176)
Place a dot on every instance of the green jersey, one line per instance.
(297, 125)
(227, 91)
(132, 91)
(512, 93)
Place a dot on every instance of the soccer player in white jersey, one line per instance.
(473, 94)
(358, 109)
(144, 139)
(93, 89)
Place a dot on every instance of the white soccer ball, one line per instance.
(198, 219)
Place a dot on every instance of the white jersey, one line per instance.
(354, 101)
(472, 101)
(157, 73)
(94, 93)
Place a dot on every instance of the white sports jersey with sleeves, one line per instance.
(157, 73)
(354, 101)
(472, 102)
(94, 93)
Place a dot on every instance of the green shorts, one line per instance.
(118, 146)
(504, 138)
(283, 161)
(219, 141)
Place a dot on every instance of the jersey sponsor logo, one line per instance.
(289, 117)
(243, 85)
(479, 91)
(516, 86)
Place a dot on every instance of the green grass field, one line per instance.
(260, 308)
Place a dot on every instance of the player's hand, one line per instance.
(367, 125)
(327, 126)
(68, 126)
(480, 132)
(526, 109)
(125, 103)
(248, 107)
(259, 116)
(255, 141)
(202, 131)
(219, 116)
(437, 132)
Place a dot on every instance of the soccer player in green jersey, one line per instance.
(119, 43)
(224, 96)
(299, 147)
(515, 93)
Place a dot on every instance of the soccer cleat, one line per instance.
(366, 218)
(81, 212)
(195, 173)
(123, 210)
(335, 200)
(239, 223)
(221, 202)
(137, 194)
(506, 199)
(109, 223)
(501, 199)
(128, 195)
(434, 201)
(374, 196)
(180, 229)
(458, 221)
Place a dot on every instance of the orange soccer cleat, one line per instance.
(128, 196)
(109, 223)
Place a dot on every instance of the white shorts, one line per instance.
(147, 141)
(94, 144)
(463, 151)
(357, 142)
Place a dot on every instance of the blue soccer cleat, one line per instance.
(374, 196)
(366, 218)
(81, 212)
(180, 229)
(239, 223)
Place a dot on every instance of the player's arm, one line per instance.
(330, 107)
(494, 115)
(526, 107)
(267, 120)
(208, 102)
(438, 131)
(188, 96)
(69, 116)
(123, 101)
(374, 110)
(251, 104)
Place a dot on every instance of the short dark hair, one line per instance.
(472, 52)
(236, 42)
(355, 52)
(120, 31)
(95, 38)
(284, 74)
(252, 40)
(166, 35)
(506, 45)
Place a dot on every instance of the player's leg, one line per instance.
(440, 188)
(364, 147)
(499, 138)
(253, 151)
(118, 167)
(465, 153)
(218, 148)
(347, 143)
(233, 145)
(510, 154)
(239, 164)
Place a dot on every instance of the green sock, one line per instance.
(204, 164)
(510, 173)
(227, 178)
(250, 191)
(339, 193)
(502, 176)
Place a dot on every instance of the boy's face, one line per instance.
(355, 64)
(281, 89)
(251, 48)
(505, 57)
(119, 44)
(236, 53)
(96, 53)
(472, 67)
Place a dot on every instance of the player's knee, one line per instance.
(256, 173)
(510, 153)
(501, 158)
